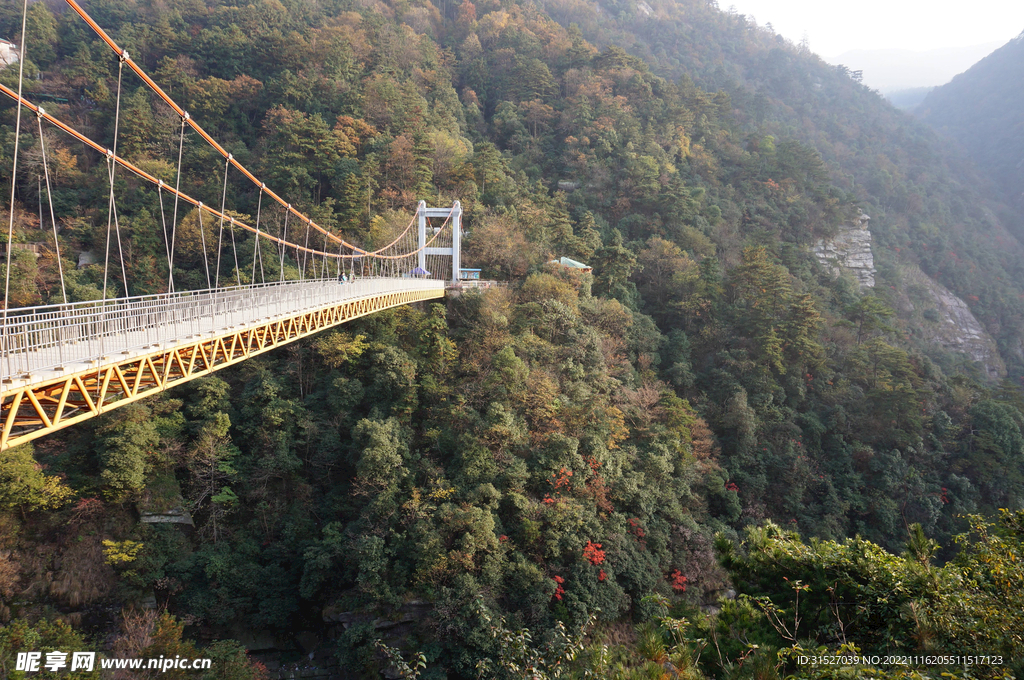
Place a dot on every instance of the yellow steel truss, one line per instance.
(34, 410)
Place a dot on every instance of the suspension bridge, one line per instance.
(64, 363)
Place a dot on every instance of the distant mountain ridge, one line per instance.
(984, 110)
(908, 100)
(892, 69)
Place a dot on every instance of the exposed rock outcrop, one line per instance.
(953, 326)
(178, 515)
(401, 621)
(850, 250)
(162, 502)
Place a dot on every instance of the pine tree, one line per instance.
(801, 332)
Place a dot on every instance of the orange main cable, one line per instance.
(223, 152)
(128, 165)
(377, 252)
(195, 126)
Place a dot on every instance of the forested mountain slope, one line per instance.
(928, 206)
(983, 109)
(562, 447)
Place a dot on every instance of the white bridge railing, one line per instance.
(54, 337)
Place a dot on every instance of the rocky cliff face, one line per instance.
(850, 250)
(942, 317)
(948, 322)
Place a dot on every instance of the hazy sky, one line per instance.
(836, 27)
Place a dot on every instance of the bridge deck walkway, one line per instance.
(64, 338)
(63, 363)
